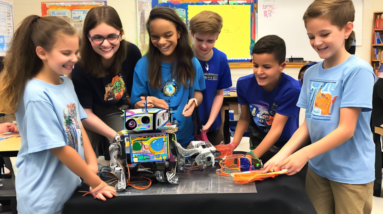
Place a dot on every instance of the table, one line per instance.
(9, 148)
(283, 194)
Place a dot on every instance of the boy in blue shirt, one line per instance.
(268, 101)
(205, 28)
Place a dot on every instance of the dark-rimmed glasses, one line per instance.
(98, 40)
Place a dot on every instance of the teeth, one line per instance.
(106, 49)
(164, 48)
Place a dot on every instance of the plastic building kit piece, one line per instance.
(234, 164)
(117, 162)
(223, 151)
(255, 175)
(145, 119)
(206, 153)
(149, 147)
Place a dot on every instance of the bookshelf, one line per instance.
(377, 49)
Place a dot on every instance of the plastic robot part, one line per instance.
(205, 157)
(233, 164)
(223, 151)
(117, 167)
(255, 175)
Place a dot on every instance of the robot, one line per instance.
(149, 138)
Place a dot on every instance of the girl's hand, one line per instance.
(103, 190)
(153, 102)
(295, 162)
(272, 164)
(189, 108)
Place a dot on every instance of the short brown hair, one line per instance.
(271, 44)
(206, 22)
(338, 12)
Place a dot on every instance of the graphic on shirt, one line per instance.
(321, 100)
(210, 76)
(115, 90)
(170, 88)
(263, 114)
(72, 127)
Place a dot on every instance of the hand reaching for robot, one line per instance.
(152, 102)
(189, 108)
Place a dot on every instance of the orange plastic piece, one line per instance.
(230, 164)
(255, 175)
(224, 150)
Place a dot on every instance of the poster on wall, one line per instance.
(72, 12)
(6, 25)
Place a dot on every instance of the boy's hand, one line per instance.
(295, 162)
(103, 190)
(189, 108)
(254, 160)
(206, 127)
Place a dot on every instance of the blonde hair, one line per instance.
(338, 12)
(21, 62)
(206, 22)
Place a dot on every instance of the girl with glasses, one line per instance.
(103, 77)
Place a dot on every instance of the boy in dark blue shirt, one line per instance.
(205, 28)
(268, 101)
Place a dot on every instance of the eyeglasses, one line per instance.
(98, 40)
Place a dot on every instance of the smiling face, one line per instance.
(164, 36)
(267, 70)
(326, 39)
(107, 48)
(63, 56)
(203, 44)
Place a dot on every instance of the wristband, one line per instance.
(195, 100)
(251, 152)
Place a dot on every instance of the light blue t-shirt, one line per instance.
(324, 92)
(175, 94)
(48, 116)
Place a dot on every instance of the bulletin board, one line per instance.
(73, 12)
(6, 25)
(238, 33)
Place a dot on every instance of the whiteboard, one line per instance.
(285, 19)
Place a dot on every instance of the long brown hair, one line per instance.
(183, 69)
(21, 62)
(338, 12)
(91, 61)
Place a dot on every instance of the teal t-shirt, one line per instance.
(48, 116)
(175, 94)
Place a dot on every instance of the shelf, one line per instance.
(378, 30)
(377, 45)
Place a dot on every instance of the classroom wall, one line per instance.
(127, 11)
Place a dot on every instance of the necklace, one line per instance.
(207, 66)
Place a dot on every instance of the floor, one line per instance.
(244, 146)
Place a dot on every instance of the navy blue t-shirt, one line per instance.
(217, 76)
(264, 104)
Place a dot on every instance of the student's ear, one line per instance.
(192, 34)
(41, 53)
(348, 29)
(178, 34)
(282, 66)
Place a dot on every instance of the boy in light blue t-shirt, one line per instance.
(337, 96)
